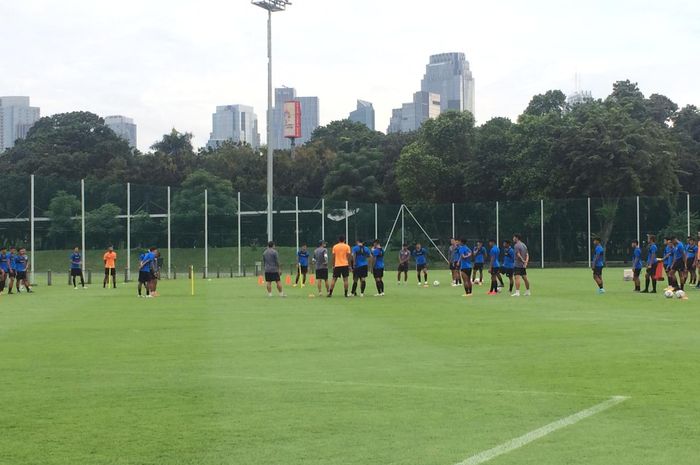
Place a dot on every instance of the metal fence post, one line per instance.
(347, 212)
(323, 219)
(639, 241)
(82, 222)
(206, 233)
(688, 207)
(376, 222)
(542, 231)
(128, 231)
(296, 220)
(169, 238)
(589, 232)
(498, 226)
(31, 228)
(454, 233)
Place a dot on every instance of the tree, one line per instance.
(626, 94)
(103, 227)
(354, 177)
(490, 166)
(346, 136)
(62, 210)
(552, 101)
(661, 108)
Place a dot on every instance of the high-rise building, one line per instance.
(448, 74)
(236, 123)
(124, 127)
(16, 118)
(309, 118)
(411, 116)
(364, 114)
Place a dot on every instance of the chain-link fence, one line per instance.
(223, 233)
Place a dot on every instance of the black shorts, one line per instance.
(360, 272)
(144, 276)
(678, 265)
(110, 271)
(21, 275)
(4, 272)
(403, 267)
(304, 269)
(272, 277)
(454, 266)
(420, 268)
(76, 272)
(520, 271)
(341, 271)
(637, 272)
(598, 271)
(690, 263)
(322, 274)
(467, 271)
(651, 269)
(495, 270)
(378, 272)
(507, 271)
(478, 266)
(12, 274)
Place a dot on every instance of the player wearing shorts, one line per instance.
(522, 260)
(453, 254)
(479, 254)
(360, 259)
(691, 251)
(21, 267)
(494, 266)
(145, 272)
(404, 258)
(320, 259)
(12, 274)
(678, 269)
(598, 263)
(4, 268)
(636, 265)
(302, 265)
(76, 268)
(465, 266)
(341, 265)
(110, 260)
(421, 256)
(652, 264)
(668, 259)
(377, 254)
(271, 263)
(508, 263)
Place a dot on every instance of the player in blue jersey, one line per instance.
(636, 265)
(494, 266)
(146, 271)
(21, 266)
(508, 265)
(4, 268)
(453, 255)
(76, 268)
(302, 265)
(465, 266)
(377, 254)
(652, 264)
(421, 256)
(691, 251)
(668, 259)
(360, 255)
(678, 269)
(12, 274)
(479, 258)
(598, 263)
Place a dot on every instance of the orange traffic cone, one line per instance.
(288, 280)
(260, 280)
(312, 280)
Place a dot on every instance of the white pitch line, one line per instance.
(525, 439)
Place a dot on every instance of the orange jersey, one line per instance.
(341, 252)
(110, 259)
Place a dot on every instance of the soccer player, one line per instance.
(271, 262)
(522, 260)
(341, 264)
(636, 265)
(479, 254)
(378, 267)
(652, 265)
(157, 262)
(453, 254)
(598, 262)
(679, 261)
(76, 268)
(110, 260)
(668, 259)
(494, 266)
(691, 251)
(360, 256)
(145, 262)
(4, 268)
(404, 258)
(465, 266)
(11, 264)
(508, 263)
(421, 256)
(21, 267)
(320, 259)
(302, 265)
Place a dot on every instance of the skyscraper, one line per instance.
(124, 127)
(364, 114)
(16, 118)
(411, 116)
(309, 117)
(236, 123)
(448, 74)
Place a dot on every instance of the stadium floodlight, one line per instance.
(271, 6)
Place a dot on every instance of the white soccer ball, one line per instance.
(669, 294)
(436, 283)
(680, 294)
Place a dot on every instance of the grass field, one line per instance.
(421, 376)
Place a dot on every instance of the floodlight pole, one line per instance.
(271, 6)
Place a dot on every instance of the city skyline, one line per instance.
(193, 60)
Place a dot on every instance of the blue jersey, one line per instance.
(455, 255)
(599, 256)
(75, 260)
(465, 257)
(651, 256)
(679, 252)
(378, 254)
(509, 258)
(691, 250)
(479, 254)
(668, 255)
(303, 258)
(4, 264)
(361, 254)
(637, 258)
(421, 256)
(148, 258)
(494, 254)
(20, 263)
(11, 260)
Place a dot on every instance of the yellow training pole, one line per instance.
(192, 278)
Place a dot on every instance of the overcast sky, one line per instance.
(169, 63)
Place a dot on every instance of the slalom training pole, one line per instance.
(192, 279)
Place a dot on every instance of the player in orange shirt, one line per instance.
(341, 264)
(110, 259)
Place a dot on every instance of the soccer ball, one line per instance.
(436, 283)
(680, 294)
(669, 294)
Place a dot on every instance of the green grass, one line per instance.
(421, 376)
